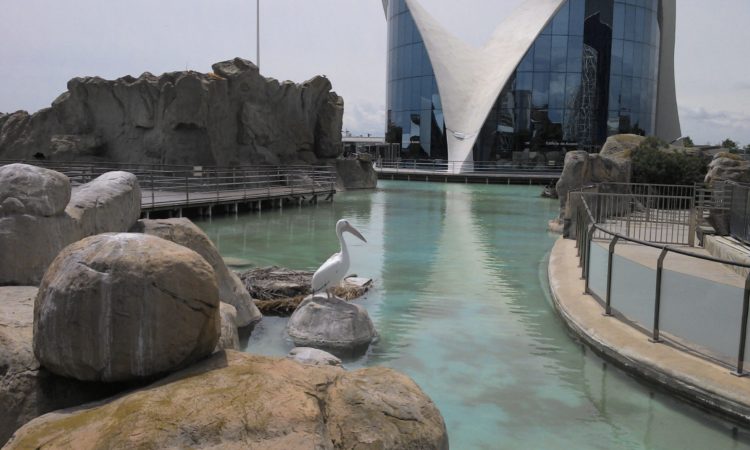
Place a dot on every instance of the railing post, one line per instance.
(608, 299)
(743, 331)
(657, 294)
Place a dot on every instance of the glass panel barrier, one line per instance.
(633, 287)
(598, 268)
(703, 313)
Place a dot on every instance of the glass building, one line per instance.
(592, 71)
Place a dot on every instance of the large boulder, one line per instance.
(583, 169)
(355, 174)
(32, 190)
(39, 216)
(332, 324)
(121, 307)
(26, 390)
(109, 203)
(236, 400)
(728, 167)
(231, 116)
(184, 232)
(28, 244)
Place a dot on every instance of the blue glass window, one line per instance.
(559, 53)
(560, 22)
(542, 49)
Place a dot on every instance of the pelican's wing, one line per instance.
(326, 273)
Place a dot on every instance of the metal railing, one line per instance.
(476, 167)
(662, 214)
(164, 186)
(591, 234)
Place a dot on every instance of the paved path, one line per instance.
(689, 377)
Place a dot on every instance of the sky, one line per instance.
(44, 43)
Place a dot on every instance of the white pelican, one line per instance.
(330, 274)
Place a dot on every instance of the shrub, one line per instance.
(656, 163)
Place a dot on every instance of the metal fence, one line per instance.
(695, 313)
(477, 167)
(167, 186)
(662, 214)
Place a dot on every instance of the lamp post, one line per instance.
(257, 29)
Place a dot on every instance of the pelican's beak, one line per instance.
(354, 231)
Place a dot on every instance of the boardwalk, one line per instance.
(176, 188)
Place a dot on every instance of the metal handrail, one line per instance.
(586, 226)
(164, 186)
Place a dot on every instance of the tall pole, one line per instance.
(257, 37)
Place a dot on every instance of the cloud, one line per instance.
(707, 126)
(742, 85)
(362, 117)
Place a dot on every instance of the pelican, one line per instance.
(330, 274)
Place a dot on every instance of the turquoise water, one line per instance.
(462, 306)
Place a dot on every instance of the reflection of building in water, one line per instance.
(588, 69)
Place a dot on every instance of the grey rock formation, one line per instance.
(728, 167)
(582, 169)
(121, 307)
(36, 220)
(229, 338)
(109, 203)
(184, 232)
(26, 390)
(32, 190)
(355, 174)
(230, 116)
(313, 357)
(235, 400)
(332, 324)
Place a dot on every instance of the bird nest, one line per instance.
(278, 291)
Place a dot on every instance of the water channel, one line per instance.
(462, 305)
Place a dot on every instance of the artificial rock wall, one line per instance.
(228, 117)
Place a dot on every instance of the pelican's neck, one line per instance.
(344, 248)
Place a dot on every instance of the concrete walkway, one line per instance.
(705, 384)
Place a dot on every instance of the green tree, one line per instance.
(729, 144)
(655, 163)
(687, 142)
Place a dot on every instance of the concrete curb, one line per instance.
(699, 382)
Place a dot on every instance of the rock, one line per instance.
(109, 203)
(237, 400)
(33, 190)
(26, 390)
(121, 307)
(355, 174)
(231, 290)
(332, 324)
(582, 169)
(313, 356)
(621, 145)
(31, 243)
(229, 338)
(35, 224)
(728, 167)
(229, 117)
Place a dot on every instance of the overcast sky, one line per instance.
(44, 43)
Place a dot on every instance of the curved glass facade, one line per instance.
(591, 73)
(414, 115)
